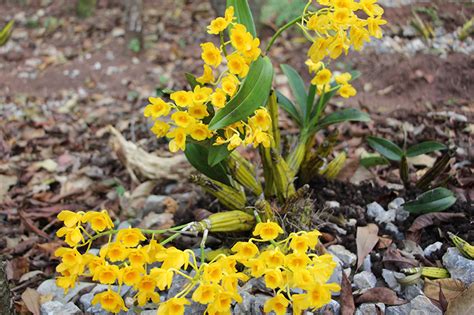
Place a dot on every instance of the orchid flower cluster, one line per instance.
(289, 267)
(191, 110)
(333, 29)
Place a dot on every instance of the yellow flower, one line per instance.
(173, 258)
(303, 278)
(253, 51)
(163, 277)
(261, 120)
(322, 77)
(144, 297)
(299, 243)
(212, 273)
(342, 16)
(240, 38)
(277, 304)
(106, 274)
(273, 258)
(373, 24)
(358, 36)
(182, 98)
(338, 46)
(130, 275)
(152, 249)
(296, 261)
(245, 250)
(70, 218)
(318, 295)
(182, 119)
(198, 111)
(73, 235)
(312, 238)
(71, 260)
(218, 98)
(234, 142)
(343, 78)
(347, 91)
(211, 54)
(313, 66)
(223, 301)
(99, 221)
(273, 278)
(157, 108)
(229, 14)
(257, 267)
(200, 132)
(114, 251)
(299, 303)
(146, 284)
(201, 94)
(130, 237)
(204, 294)
(138, 256)
(179, 139)
(174, 306)
(217, 25)
(207, 75)
(371, 7)
(160, 128)
(229, 84)
(110, 301)
(320, 23)
(268, 230)
(66, 282)
(347, 4)
(93, 262)
(318, 49)
(237, 65)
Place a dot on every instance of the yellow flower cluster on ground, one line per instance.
(190, 110)
(333, 29)
(149, 267)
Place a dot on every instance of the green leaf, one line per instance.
(252, 94)
(297, 86)
(289, 107)
(191, 80)
(373, 159)
(348, 114)
(6, 32)
(217, 153)
(425, 147)
(198, 156)
(386, 147)
(434, 200)
(243, 14)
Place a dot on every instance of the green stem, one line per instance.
(224, 49)
(203, 244)
(282, 29)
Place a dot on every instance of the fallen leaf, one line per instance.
(380, 295)
(366, 239)
(361, 174)
(139, 194)
(394, 256)
(463, 304)
(17, 267)
(347, 299)
(384, 242)
(451, 288)
(422, 160)
(6, 182)
(32, 300)
(48, 165)
(425, 220)
(30, 275)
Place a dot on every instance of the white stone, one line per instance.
(391, 277)
(347, 258)
(58, 308)
(374, 210)
(49, 287)
(430, 249)
(332, 204)
(365, 280)
(459, 266)
(422, 305)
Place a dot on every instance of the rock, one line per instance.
(149, 312)
(391, 277)
(251, 304)
(348, 259)
(412, 291)
(58, 308)
(336, 276)
(155, 204)
(458, 266)
(332, 204)
(332, 308)
(393, 229)
(365, 280)
(49, 287)
(430, 249)
(370, 309)
(374, 210)
(387, 217)
(401, 214)
(255, 285)
(367, 264)
(179, 282)
(422, 305)
(398, 309)
(157, 221)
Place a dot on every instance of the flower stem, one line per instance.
(282, 29)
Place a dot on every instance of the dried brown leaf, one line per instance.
(394, 256)
(425, 220)
(347, 299)
(463, 304)
(451, 288)
(366, 239)
(31, 298)
(380, 295)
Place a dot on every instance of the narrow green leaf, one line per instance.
(191, 80)
(243, 14)
(297, 86)
(6, 32)
(289, 107)
(217, 153)
(373, 160)
(386, 147)
(253, 93)
(425, 147)
(198, 156)
(348, 114)
(434, 200)
(310, 103)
